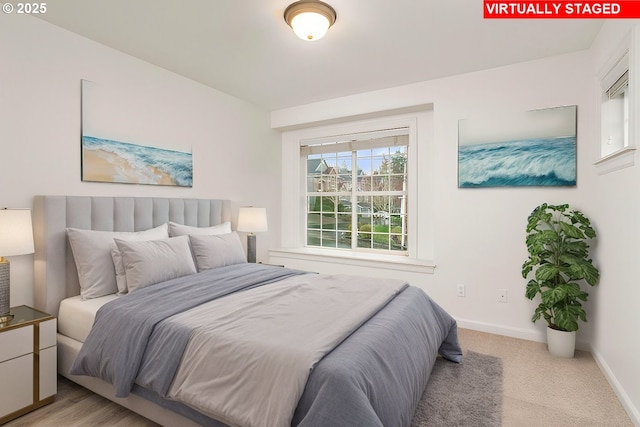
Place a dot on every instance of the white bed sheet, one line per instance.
(76, 316)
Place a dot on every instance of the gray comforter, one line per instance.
(375, 377)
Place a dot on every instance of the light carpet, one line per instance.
(462, 394)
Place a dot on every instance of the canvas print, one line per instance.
(110, 152)
(533, 148)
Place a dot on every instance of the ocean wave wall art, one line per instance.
(493, 156)
(534, 162)
(105, 160)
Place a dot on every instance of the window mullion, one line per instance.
(354, 200)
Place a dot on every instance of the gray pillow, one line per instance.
(161, 232)
(149, 262)
(176, 229)
(217, 250)
(92, 254)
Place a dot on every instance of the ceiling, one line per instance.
(244, 47)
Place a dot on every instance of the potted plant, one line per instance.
(557, 241)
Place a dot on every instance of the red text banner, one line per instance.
(625, 9)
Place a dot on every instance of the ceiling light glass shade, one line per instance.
(310, 26)
(310, 19)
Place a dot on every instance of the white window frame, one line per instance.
(419, 254)
(380, 138)
(622, 154)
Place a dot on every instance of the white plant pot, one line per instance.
(561, 343)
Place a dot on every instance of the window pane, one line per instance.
(313, 221)
(313, 237)
(364, 235)
(344, 240)
(315, 166)
(329, 239)
(377, 163)
(313, 204)
(328, 221)
(380, 207)
(365, 183)
(344, 163)
(380, 151)
(363, 208)
(396, 182)
(344, 182)
(380, 241)
(344, 222)
(327, 204)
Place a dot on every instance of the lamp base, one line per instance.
(251, 247)
(5, 320)
(5, 289)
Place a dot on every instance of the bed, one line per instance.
(371, 369)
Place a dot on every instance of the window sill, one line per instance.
(389, 262)
(620, 159)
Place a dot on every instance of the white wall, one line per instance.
(615, 207)
(236, 155)
(479, 233)
(479, 237)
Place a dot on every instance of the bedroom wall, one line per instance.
(236, 154)
(615, 205)
(479, 237)
(479, 233)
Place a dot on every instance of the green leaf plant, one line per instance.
(557, 241)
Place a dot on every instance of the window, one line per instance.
(356, 191)
(615, 108)
(350, 194)
(619, 104)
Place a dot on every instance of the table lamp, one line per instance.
(16, 238)
(252, 220)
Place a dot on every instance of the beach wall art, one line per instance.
(123, 143)
(530, 148)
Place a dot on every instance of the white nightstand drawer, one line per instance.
(47, 333)
(28, 378)
(17, 383)
(16, 342)
(48, 372)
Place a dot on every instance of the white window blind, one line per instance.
(355, 142)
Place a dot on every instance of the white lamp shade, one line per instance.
(310, 26)
(16, 232)
(252, 220)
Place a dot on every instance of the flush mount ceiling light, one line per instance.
(310, 19)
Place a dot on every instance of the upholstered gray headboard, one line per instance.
(55, 272)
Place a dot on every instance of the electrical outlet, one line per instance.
(502, 295)
(460, 290)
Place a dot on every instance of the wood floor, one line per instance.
(539, 390)
(76, 406)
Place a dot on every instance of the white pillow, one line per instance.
(217, 251)
(176, 229)
(92, 254)
(161, 232)
(153, 261)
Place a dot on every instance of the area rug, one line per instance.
(462, 394)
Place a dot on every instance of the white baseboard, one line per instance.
(623, 397)
(490, 328)
(524, 334)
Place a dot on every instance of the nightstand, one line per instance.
(28, 373)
